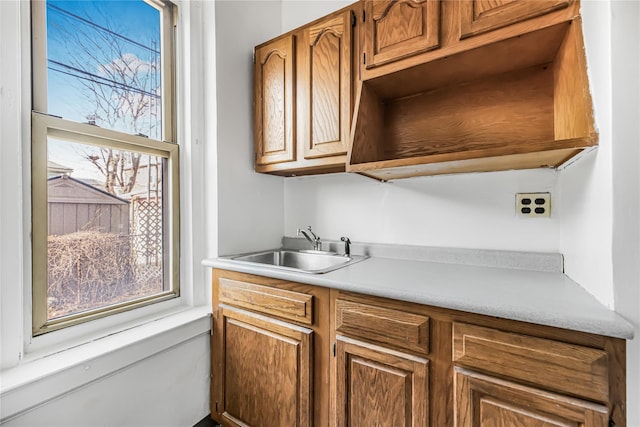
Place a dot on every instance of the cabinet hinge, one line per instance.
(253, 56)
(217, 408)
(364, 16)
(353, 18)
(334, 349)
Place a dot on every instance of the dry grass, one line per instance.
(90, 269)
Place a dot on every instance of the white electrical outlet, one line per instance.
(533, 205)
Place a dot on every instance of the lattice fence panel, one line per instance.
(146, 227)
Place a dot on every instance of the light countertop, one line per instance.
(540, 297)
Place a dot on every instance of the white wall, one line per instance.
(625, 61)
(465, 211)
(586, 186)
(168, 389)
(11, 213)
(600, 202)
(250, 206)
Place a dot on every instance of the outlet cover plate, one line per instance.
(533, 205)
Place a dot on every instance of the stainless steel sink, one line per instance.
(302, 261)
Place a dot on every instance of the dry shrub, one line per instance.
(88, 269)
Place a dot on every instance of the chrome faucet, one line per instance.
(347, 248)
(315, 240)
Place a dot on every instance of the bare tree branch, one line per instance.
(121, 88)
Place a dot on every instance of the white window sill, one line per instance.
(39, 380)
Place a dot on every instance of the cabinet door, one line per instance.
(274, 101)
(262, 371)
(396, 29)
(479, 16)
(325, 76)
(484, 401)
(378, 387)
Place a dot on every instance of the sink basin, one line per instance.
(302, 261)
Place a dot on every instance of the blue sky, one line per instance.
(134, 19)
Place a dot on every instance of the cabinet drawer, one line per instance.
(571, 369)
(383, 325)
(289, 305)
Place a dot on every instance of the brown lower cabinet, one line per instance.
(376, 386)
(483, 400)
(288, 354)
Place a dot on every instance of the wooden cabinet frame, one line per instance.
(252, 343)
(274, 101)
(383, 43)
(482, 400)
(440, 87)
(391, 388)
(440, 361)
(324, 82)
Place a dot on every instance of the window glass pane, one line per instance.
(105, 227)
(103, 64)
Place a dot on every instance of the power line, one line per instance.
(93, 24)
(102, 80)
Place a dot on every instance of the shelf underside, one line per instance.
(452, 163)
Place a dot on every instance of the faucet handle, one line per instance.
(315, 240)
(315, 236)
(347, 248)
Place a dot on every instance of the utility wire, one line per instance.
(93, 77)
(93, 24)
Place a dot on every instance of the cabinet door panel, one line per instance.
(480, 16)
(395, 29)
(325, 91)
(274, 99)
(484, 401)
(377, 387)
(267, 371)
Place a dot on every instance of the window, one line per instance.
(105, 202)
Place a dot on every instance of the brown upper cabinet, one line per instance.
(513, 96)
(325, 82)
(321, 97)
(274, 105)
(399, 28)
(423, 87)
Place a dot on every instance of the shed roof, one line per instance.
(65, 189)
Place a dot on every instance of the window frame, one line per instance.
(44, 126)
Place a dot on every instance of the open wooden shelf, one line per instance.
(519, 103)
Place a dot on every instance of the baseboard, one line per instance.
(206, 422)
